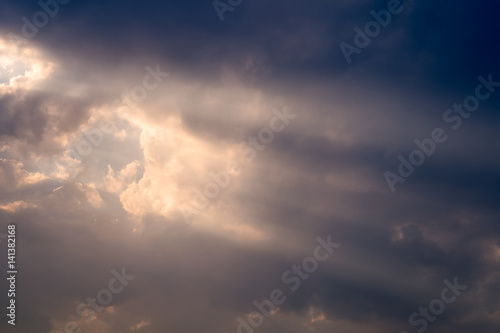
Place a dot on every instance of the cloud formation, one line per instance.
(120, 204)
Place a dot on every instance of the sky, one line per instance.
(250, 166)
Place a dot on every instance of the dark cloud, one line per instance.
(322, 175)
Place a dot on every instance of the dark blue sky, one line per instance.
(325, 173)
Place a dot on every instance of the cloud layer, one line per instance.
(97, 176)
